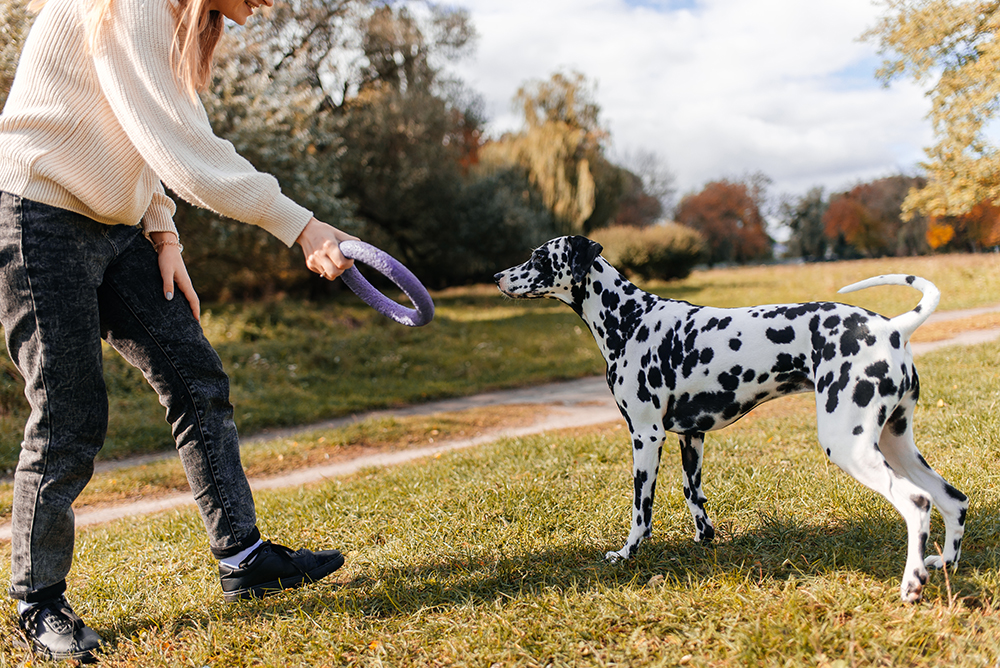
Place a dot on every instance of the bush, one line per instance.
(668, 252)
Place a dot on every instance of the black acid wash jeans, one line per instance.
(66, 282)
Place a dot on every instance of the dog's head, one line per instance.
(553, 270)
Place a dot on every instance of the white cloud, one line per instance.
(718, 88)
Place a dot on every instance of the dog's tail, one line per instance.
(908, 322)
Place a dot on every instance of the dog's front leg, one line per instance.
(646, 450)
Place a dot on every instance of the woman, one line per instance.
(102, 112)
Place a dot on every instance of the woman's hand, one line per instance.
(321, 246)
(173, 270)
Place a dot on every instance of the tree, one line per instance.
(973, 231)
(269, 97)
(411, 138)
(655, 177)
(868, 219)
(804, 218)
(341, 100)
(956, 45)
(729, 216)
(636, 207)
(561, 150)
(14, 24)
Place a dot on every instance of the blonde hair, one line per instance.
(191, 55)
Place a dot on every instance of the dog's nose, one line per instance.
(497, 276)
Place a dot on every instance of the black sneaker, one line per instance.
(271, 568)
(54, 631)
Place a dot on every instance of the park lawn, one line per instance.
(493, 557)
(294, 362)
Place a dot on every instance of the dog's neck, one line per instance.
(611, 306)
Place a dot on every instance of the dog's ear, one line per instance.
(585, 252)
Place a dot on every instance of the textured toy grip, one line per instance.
(389, 267)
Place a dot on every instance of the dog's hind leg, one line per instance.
(646, 450)
(900, 450)
(860, 458)
(692, 447)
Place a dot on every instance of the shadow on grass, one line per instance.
(777, 551)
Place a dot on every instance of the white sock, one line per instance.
(234, 561)
(24, 606)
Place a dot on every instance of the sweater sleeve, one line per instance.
(172, 132)
(159, 217)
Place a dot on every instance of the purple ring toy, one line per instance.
(388, 266)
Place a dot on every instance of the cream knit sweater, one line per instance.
(96, 132)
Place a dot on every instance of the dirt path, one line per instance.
(576, 403)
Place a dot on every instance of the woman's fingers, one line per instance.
(187, 289)
(320, 245)
(175, 277)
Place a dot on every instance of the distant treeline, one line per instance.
(348, 103)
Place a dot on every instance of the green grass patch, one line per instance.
(297, 363)
(493, 557)
(275, 456)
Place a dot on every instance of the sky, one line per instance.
(716, 88)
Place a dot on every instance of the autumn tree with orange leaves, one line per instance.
(728, 214)
(974, 231)
(868, 219)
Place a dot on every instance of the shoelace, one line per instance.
(58, 608)
(280, 550)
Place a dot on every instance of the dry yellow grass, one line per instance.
(940, 331)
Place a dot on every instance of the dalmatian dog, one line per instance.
(676, 367)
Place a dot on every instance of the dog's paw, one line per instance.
(705, 535)
(912, 594)
(612, 557)
(911, 590)
(938, 562)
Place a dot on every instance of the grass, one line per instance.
(492, 557)
(272, 457)
(295, 363)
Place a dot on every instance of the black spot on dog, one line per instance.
(895, 340)
(921, 502)
(690, 362)
(735, 344)
(836, 386)
(887, 388)
(877, 370)
(824, 382)
(864, 392)
(898, 423)
(781, 336)
(855, 333)
(955, 494)
(696, 414)
(728, 381)
(858, 430)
